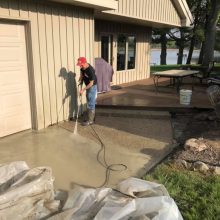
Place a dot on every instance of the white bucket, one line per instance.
(185, 96)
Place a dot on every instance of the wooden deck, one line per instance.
(142, 95)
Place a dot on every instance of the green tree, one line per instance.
(210, 32)
(159, 36)
(217, 39)
(182, 37)
(217, 42)
(198, 10)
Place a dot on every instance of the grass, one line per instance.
(158, 68)
(197, 195)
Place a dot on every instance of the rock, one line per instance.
(174, 141)
(201, 117)
(216, 170)
(183, 163)
(200, 166)
(188, 165)
(194, 144)
(212, 117)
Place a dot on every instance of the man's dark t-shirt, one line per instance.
(89, 75)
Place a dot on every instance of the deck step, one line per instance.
(128, 113)
(171, 109)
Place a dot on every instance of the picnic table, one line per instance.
(175, 75)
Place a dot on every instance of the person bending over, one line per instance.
(88, 77)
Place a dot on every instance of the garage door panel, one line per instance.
(15, 114)
(11, 32)
(10, 54)
(14, 90)
(12, 67)
(13, 124)
(12, 101)
(12, 82)
(11, 77)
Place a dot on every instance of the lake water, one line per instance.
(172, 56)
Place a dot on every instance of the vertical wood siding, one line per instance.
(143, 37)
(59, 35)
(162, 11)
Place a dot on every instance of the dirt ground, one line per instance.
(197, 125)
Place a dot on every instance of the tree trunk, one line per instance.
(163, 55)
(191, 48)
(193, 39)
(181, 45)
(201, 54)
(180, 55)
(211, 33)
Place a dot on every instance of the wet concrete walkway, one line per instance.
(138, 143)
(142, 94)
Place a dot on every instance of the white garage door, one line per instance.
(15, 114)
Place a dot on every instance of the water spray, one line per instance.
(77, 115)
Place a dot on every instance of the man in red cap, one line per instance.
(87, 75)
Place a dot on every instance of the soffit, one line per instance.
(95, 4)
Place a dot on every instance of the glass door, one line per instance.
(106, 48)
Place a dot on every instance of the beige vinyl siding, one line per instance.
(159, 11)
(143, 37)
(59, 34)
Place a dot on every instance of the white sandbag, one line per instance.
(28, 208)
(134, 199)
(7, 171)
(82, 203)
(154, 208)
(161, 207)
(141, 188)
(27, 196)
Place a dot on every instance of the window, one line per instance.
(126, 48)
(131, 52)
(121, 52)
(106, 48)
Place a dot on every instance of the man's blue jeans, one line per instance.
(91, 97)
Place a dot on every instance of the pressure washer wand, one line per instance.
(80, 96)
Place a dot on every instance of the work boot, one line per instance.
(91, 117)
(85, 116)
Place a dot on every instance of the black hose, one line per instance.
(108, 167)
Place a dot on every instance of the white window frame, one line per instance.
(126, 51)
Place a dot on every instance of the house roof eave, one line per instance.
(181, 7)
(184, 12)
(134, 20)
(94, 4)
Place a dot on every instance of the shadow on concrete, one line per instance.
(156, 156)
(156, 129)
(156, 152)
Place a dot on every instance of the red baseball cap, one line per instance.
(81, 60)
